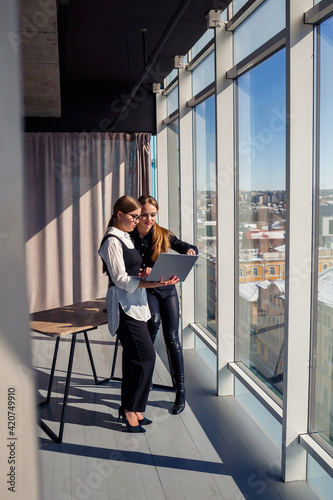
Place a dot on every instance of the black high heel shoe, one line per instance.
(145, 421)
(130, 428)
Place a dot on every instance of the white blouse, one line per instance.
(132, 299)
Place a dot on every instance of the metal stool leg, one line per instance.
(168, 387)
(56, 347)
(44, 426)
(90, 357)
(113, 368)
(114, 362)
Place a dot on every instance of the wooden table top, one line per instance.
(75, 318)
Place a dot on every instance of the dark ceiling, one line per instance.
(102, 55)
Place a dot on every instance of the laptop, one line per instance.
(171, 264)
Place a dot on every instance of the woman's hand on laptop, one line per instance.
(171, 281)
(145, 273)
(155, 284)
(190, 251)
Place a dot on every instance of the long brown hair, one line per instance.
(124, 204)
(161, 236)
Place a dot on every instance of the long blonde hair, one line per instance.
(161, 236)
(124, 204)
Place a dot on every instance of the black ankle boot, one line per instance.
(179, 403)
(177, 373)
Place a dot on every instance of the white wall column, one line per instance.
(162, 160)
(299, 127)
(225, 211)
(186, 195)
(19, 447)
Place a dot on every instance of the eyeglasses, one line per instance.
(135, 218)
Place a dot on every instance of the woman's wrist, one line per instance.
(146, 284)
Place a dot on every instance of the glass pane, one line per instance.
(205, 214)
(174, 184)
(205, 353)
(171, 76)
(202, 42)
(261, 202)
(265, 22)
(322, 397)
(172, 101)
(174, 178)
(203, 74)
(318, 479)
(237, 5)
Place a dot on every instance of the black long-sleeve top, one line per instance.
(145, 248)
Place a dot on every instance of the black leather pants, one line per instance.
(166, 310)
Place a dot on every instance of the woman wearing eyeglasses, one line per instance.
(128, 310)
(150, 239)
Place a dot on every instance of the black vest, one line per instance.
(132, 258)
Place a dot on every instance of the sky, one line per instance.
(326, 107)
(261, 124)
(261, 130)
(205, 145)
(261, 119)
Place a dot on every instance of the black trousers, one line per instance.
(137, 363)
(166, 309)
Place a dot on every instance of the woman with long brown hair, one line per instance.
(128, 310)
(150, 240)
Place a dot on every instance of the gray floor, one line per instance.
(207, 452)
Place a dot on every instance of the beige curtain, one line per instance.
(72, 182)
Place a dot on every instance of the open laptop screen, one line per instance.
(170, 264)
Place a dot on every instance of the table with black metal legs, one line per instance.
(68, 320)
(73, 320)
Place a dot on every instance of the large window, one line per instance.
(265, 22)
(205, 214)
(172, 101)
(203, 74)
(206, 37)
(321, 421)
(251, 97)
(261, 200)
